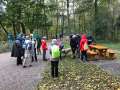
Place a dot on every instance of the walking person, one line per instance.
(17, 51)
(38, 39)
(44, 47)
(27, 61)
(84, 48)
(73, 44)
(34, 50)
(61, 46)
(55, 54)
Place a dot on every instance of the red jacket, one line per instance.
(82, 42)
(44, 44)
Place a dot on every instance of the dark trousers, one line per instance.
(78, 52)
(44, 54)
(19, 60)
(73, 51)
(84, 55)
(54, 68)
(60, 54)
(35, 54)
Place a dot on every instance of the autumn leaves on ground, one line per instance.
(76, 75)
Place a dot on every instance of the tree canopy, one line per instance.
(100, 18)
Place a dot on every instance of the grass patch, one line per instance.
(75, 75)
(115, 46)
(110, 44)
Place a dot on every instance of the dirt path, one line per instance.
(14, 77)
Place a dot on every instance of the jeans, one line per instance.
(35, 54)
(54, 68)
(84, 55)
(44, 54)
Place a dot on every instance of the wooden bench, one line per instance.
(111, 54)
(91, 55)
(66, 51)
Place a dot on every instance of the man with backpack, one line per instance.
(55, 54)
(27, 61)
(84, 47)
(73, 44)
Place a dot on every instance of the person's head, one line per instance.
(54, 41)
(74, 36)
(84, 36)
(27, 37)
(44, 37)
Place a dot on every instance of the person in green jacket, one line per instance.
(55, 56)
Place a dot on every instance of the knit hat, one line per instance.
(54, 41)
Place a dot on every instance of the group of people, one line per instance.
(79, 45)
(26, 48)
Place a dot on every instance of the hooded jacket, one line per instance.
(82, 42)
(44, 44)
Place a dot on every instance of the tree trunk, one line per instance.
(13, 24)
(68, 16)
(23, 28)
(95, 16)
(3, 28)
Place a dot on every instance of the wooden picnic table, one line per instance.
(100, 49)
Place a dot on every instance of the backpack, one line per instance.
(85, 46)
(55, 51)
(29, 46)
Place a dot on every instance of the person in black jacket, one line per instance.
(78, 38)
(73, 44)
(17, 51)
(90, 40)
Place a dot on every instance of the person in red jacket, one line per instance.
(83, 50)
(44, 47)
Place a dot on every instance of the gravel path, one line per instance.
(14, 77)
(111, 66)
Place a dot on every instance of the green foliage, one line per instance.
(98, 17)
(3, 46)
(75, 75)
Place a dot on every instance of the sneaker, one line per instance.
(24, 66)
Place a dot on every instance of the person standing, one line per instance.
(61, 46)
(84, 47)
(78, 38)
(73, 44)
(90, 39)
(44, 47)
(34, 50)
(17, 51)
(55, 54)
(28, 52)
(38, 39)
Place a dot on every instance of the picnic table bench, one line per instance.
(111, 54)
(102, 51)
(91, 54)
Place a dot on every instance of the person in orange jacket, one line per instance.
(44, 47)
